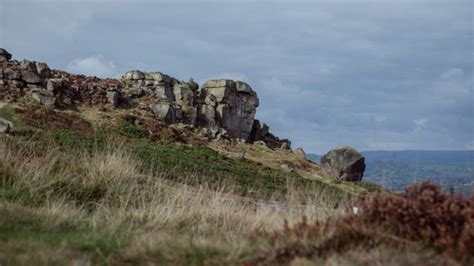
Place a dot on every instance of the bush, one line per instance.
(426, 214)
(424, 218)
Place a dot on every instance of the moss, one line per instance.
(126, 129)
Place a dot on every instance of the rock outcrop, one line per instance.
(235, 104)
(343, 163)
(220, 109)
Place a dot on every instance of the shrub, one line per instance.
(424, 217)
(426, 214)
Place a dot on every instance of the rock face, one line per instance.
(343, 163)
(235, 103)
(221, 109)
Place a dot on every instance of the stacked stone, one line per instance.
(24, 78)
(173, 99)
(221, 109)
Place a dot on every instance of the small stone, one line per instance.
(286, 168)
(260, 143)
(5, 126)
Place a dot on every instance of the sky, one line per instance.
(375, 75)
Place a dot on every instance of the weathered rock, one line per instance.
(136, 92)
(164, 93)
(183, 95)
(43, 70)
(43, 97)
(160, 77)
(4, 55)
(259, 131)
(219, 83)
(206, 116)
(53, 84)
(300, 154)
(29, 72)
(343, 163)
(189, 114)
(11, 74)
(210, 100)
(225, 107)
(30, 77)
(235, 110)
(164, 112)
(244, 88)
(5, 126)
(114, 98)
(133, 75)
(222, 94)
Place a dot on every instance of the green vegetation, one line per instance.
(113, 196)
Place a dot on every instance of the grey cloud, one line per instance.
(327, 72)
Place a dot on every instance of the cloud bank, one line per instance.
(371, 74)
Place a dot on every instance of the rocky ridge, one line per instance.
(162, 105)
(221, 109)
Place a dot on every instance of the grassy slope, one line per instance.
(113, 196)
(97, 194)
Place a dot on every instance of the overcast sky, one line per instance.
(371, 74)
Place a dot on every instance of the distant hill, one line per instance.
(396, 169)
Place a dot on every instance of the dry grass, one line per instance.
(83, 199)
(144, 217)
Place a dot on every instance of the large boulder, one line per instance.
(343, 163)
(43, 97)
(236, 106)
(34, 72)
(164, 111)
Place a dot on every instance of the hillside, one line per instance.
(151, 170)
(395, 170)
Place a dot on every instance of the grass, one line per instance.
(98, 203)
(115, 197)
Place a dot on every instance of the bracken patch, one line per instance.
(423, 218)
(47, 119)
